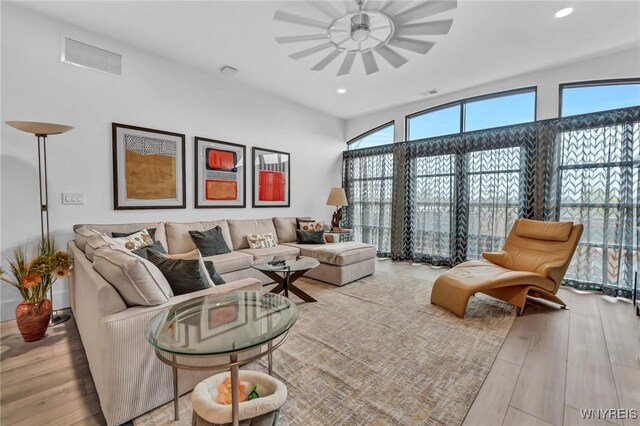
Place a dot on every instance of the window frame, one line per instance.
(372, 131)
(592, 83)
(463, 110)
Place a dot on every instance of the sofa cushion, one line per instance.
(310, 237)
(179, 240)
(210, 242)
(93, 243)
(230, 262)
(264, 255)
(151, 231)
(340, 254)
(286, 228)
(185, 272)
(239, 230)
(258, 241)
(137, 280)
(83, 232)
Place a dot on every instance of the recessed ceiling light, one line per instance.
(341, 90)
(564, 12)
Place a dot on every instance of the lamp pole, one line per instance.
(41, 131)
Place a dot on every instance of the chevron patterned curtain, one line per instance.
(368, 182)
(446, 200)
(598, 185)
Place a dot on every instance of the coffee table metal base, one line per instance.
(285, 283)
(233, 366)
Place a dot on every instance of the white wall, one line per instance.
(156, 93)
(621, 64)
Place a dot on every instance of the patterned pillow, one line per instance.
(310, 225)
(132, 242)
(258, 241)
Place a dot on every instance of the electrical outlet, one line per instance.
(72, 198)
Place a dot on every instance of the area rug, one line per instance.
(376, 352)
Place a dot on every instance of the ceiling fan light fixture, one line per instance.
(360, 27)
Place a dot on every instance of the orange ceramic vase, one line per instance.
(33, 319)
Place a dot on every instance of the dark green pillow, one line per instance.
(184, 275)
(211, 242)
(305, 237)
(156, 246)
(151, 231)
(213, 274)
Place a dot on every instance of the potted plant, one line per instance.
(33, 277)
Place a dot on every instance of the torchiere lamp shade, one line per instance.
(337, 197)
(38, 128)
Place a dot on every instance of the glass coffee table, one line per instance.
(186, 335)
(286, 273)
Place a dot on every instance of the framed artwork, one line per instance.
(271, 178)
(148, 168)
(220, 174)
(219, 318)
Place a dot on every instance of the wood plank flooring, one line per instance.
(552, 364)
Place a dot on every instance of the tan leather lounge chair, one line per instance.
(532, 262)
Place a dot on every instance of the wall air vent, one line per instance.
(84, 55)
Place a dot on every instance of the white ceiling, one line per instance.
(489, 40)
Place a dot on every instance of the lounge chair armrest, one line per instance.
(550, 269)
(498, 257)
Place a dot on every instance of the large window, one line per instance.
(382, 135)
(484, 112)
(584, 98)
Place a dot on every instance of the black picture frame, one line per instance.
(202, 144)
(120, 200)
(280, 167)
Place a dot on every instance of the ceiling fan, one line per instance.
(380, 27)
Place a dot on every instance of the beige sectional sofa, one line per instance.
(129, 379)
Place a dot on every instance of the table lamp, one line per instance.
(41, 131)
(338, 198)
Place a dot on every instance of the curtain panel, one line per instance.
(446, 200)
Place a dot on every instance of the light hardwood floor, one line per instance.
(552, 364)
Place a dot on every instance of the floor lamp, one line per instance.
(41, 131)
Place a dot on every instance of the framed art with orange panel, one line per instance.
(148, 168)
(271, 178)
(219, 174)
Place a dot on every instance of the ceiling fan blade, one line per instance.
(345, 68)
(369, 62)
(413, 45)
(299, 20)
(390, 8)
(425, 28)
(311, 51)
(424, 10)
(295, 39)
(394, 58)
(327, 9)
(327, 60)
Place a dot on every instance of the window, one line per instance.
(382, 135)
(500, 111)
(583, 98)
(437, 122)
(483, 112)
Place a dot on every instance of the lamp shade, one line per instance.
(337, 197)
(38, 128)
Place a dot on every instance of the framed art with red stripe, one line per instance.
(219, 174)
(271, 178)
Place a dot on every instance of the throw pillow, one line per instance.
(157, 246)
(211, 242)
(185, 273)
(213, 274)
(306, 237)
(309, 225)
(258, 241)
(134, 241)
(138, 281)
(151, 231)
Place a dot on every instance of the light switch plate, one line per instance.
(72, 198)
